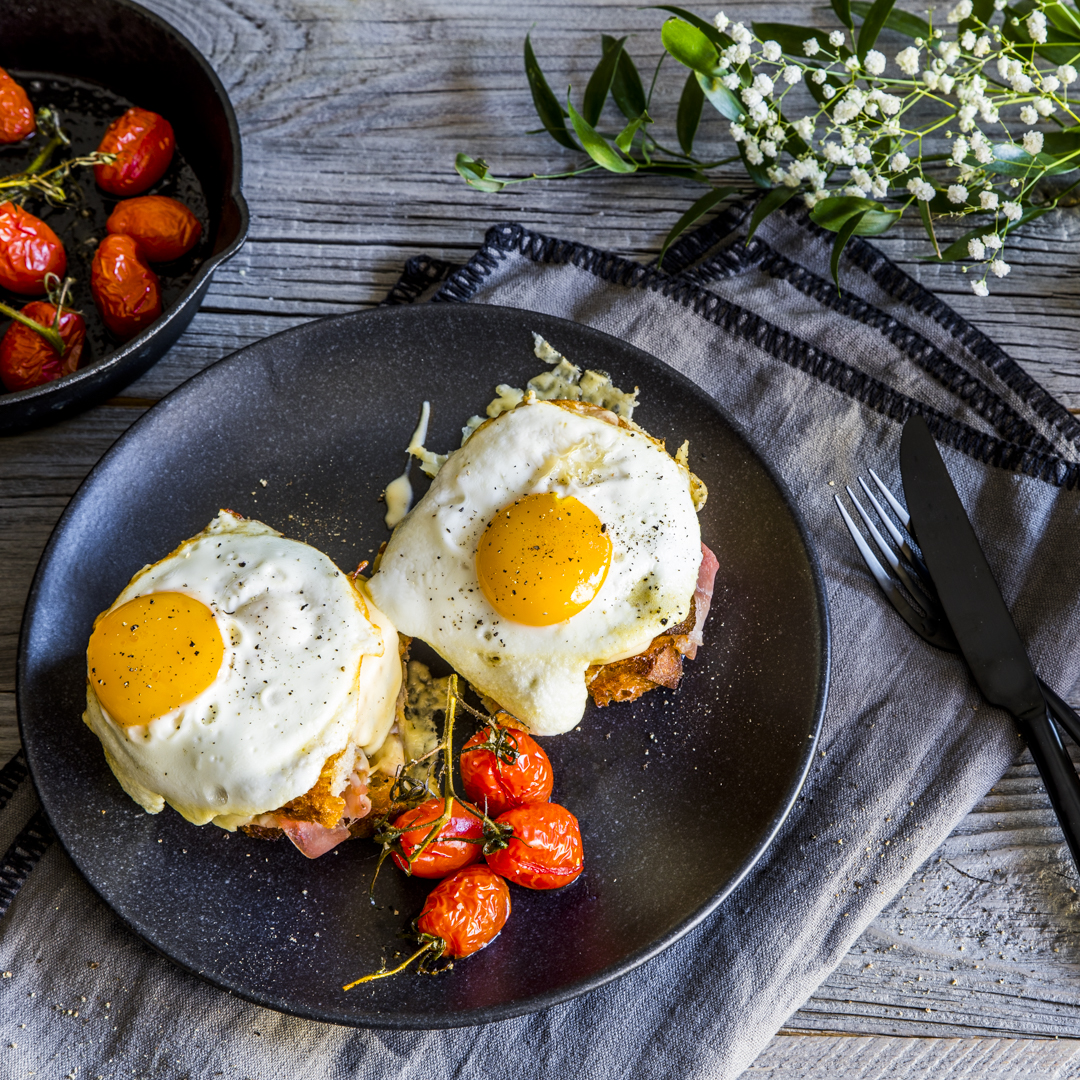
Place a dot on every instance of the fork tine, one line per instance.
(890, 555)
(898, 537)
(890, 498)
(905, 519)
(881, 576)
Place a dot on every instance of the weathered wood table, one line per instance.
(351, 115)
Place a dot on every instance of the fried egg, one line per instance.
(226, 675)
(555, 538)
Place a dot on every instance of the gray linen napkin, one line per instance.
(822, 382)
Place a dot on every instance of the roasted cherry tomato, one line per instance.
(163, 228)
(29, 250)
(445, 854)
(504, 770)
(27, 359)
(545, 850)
(16, 112)
(466, 910)
(125, 289)
(144, 144)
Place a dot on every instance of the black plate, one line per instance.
(675, 806)
(124, 49)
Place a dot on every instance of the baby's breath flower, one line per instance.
(861, 177)
(753, 152)
(1021, 83)
(880, 187)
(751, 96)
(999, 268)
(768, 148)
(984, 154)
(957, 193)
(854, 191)
(833, 153)
(828, 91)
(739, 34)
(862, 153)
(946, 84)
(988, 111)
(759, 113)
(1050, 84)
(976, 249)
(852, 63)
(966, 117)
(836, 38)
(732, 81)
(1036, 27)
(820, 76)
(771, 51)
(930, 78)
(960, 149)
(1012, 210)
(992, 242)
(1033, 142)
(805, 128)
(738, 132)
(979, 287)
(982, 47)
(907, 60)
(1028, 115)
(875, 62)
(967, 40)
(775, 132)
(988, 200)
(950, 52)
(960, 12)
(1044, 106)
(791, 74)
(891, 128)
(739, 54)
(900, 161)
(1067, 74)
(811, 47)
(721, 21)
(763, 85)
(920, 189)
(889, 104)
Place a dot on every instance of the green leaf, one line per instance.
(790, 38)
(625, 139)
(843, 235)
(871, 27)
(958, 249)
(901, 21)
(721, 41)
(831, 213)
(773, 201)
(843, 12)
(626, 87)
(928, 224)
(596, 146)
(689, 115)
(474, 172)
(600, 82)
(674, 168)
(1011, 159)
(690, 47)
(1063, 18)
(697, 210)
(720, 97)
(547, 105)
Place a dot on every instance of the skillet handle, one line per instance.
(1057, 772)
(1062, 713)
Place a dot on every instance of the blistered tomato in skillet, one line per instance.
(125, 289)
(28, 360)
(163, 228)
(16, 112)
(143, 143)
(29, 250)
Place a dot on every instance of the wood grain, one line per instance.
(351, 115)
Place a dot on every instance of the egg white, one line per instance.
(311, 669)
(427, 582)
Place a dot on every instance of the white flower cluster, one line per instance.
(860, 141)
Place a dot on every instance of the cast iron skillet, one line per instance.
(139, 56)
(677, 794)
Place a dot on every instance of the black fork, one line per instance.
(911, 592)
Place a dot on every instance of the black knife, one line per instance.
(980, 620)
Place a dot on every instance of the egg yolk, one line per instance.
(152, 655)
(542, 559)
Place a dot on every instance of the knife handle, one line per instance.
(1059, 776)
(1062, 713)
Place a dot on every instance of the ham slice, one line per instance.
(703, 595)
(311, 838)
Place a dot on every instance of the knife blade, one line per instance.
(980, 619)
